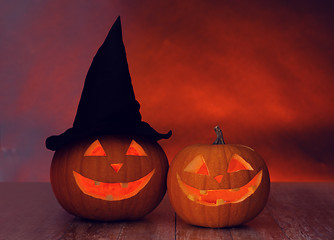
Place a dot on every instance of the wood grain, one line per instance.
(294, 211)
(30, 211)
(263, 227)
(304, 210)
(157, 225)
(186, 231)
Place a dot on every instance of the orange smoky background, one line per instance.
(262, 70)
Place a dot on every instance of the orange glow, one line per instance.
(95, 149)
(237, 163)
(111, 191)
(203, 170)
(222, 196)
(219, 178)
(135, 149)
(263, 70)
(198, 166)
(116, 166)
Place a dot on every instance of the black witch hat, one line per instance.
(107, 104)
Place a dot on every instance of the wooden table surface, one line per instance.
(294, 211)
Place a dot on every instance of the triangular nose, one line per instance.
(219, 178)
(116, 166)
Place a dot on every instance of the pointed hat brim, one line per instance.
(71, 135)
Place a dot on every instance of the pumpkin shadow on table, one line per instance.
(81, 228)
(244, 226)
(87, 227)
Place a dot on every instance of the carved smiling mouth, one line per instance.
(220, 196)
(111, 191)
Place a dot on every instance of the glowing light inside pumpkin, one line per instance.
(116, 166)
(219, 178)
(135, 149)
(198, 166)
(220, 196)
(111, 191)
(95, 149)
(237, 163)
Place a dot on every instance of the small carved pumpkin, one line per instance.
(218, 185)
(110, 177)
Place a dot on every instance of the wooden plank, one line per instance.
(304, 210)
(186, 231)
(294, 211)
(91, 230)
(160, 224)
(263, 227)
(30, 211)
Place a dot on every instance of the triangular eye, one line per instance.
(237, 163)
(135, 149)
(95, 149)
(198, 166)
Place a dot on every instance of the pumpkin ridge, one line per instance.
(199, 199)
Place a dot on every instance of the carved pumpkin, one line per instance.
(110, 177)
(218, 185)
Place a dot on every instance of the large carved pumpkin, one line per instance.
(218, 185)
(110, 177)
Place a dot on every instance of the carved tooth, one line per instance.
(191, 197)
(96, 183)
(220, 202)
(109, 197)
(124, 185)
(203, 192)
(251, 189)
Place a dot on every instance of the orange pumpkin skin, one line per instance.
(200, 208)
(85, 185)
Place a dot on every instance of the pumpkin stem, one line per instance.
(220, 139)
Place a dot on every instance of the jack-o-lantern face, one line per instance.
(112, 191)
(216, 197)
(218, 185)
(110, 177)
